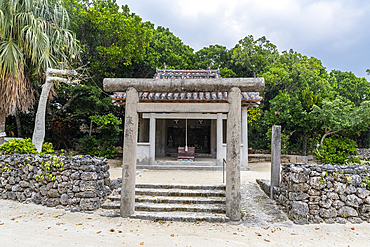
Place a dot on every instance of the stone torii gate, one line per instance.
(233, 86)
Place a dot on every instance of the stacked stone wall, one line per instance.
(363, 153)
(78, 183)
(325, 193)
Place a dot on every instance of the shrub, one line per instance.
(47, 148)
(88, 145)
(24, 146)
(337, 150)
(108, 128)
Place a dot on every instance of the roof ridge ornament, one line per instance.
(189, 74)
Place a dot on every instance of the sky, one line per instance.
(335, 31)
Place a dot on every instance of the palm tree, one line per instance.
(34, 35)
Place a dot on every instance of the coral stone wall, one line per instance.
(325, 193)
(78, 183)
(363, 153)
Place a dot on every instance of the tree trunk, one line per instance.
(19, 125)
(2, 126)
(39, 130)
(312, 144)
(90, 128)
(305, 139)
(328, 133)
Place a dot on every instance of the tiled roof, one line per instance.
(251, 98)
(246, 97)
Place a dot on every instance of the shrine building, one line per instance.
(164, 135)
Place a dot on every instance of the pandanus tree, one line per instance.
(34, 36)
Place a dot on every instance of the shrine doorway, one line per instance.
(198, 136)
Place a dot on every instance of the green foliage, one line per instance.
(112, 37)
(336, 150)
(24, 146)
(220, 58)
(257, 139)
(341, 114)
(366, 182)
(347, 85)
(47, 148)
(255, 55)
(227, 73)
(50, 166)
(165, 47)
(34, 35)
(108, 126)
(18, 146)
(88, 145)
(334, 115)
(83, 101)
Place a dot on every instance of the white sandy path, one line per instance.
(33, 229)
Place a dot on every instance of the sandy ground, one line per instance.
(35, 225)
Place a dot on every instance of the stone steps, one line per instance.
(173, 202)
(178, 192)
(182, 186)
(165, 207)
(180, 216)
(174, 199)
(183, 167)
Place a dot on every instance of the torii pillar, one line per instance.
(231, 85)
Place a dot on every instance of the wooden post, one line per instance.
(233, 155)
(129, 154)
(275, 158)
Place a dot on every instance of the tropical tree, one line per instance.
(294, 83)
(165, 47)
(347, 85)
(341, 115)
(219, 57)
(34, 35)
(254, 55)
(112, 37)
